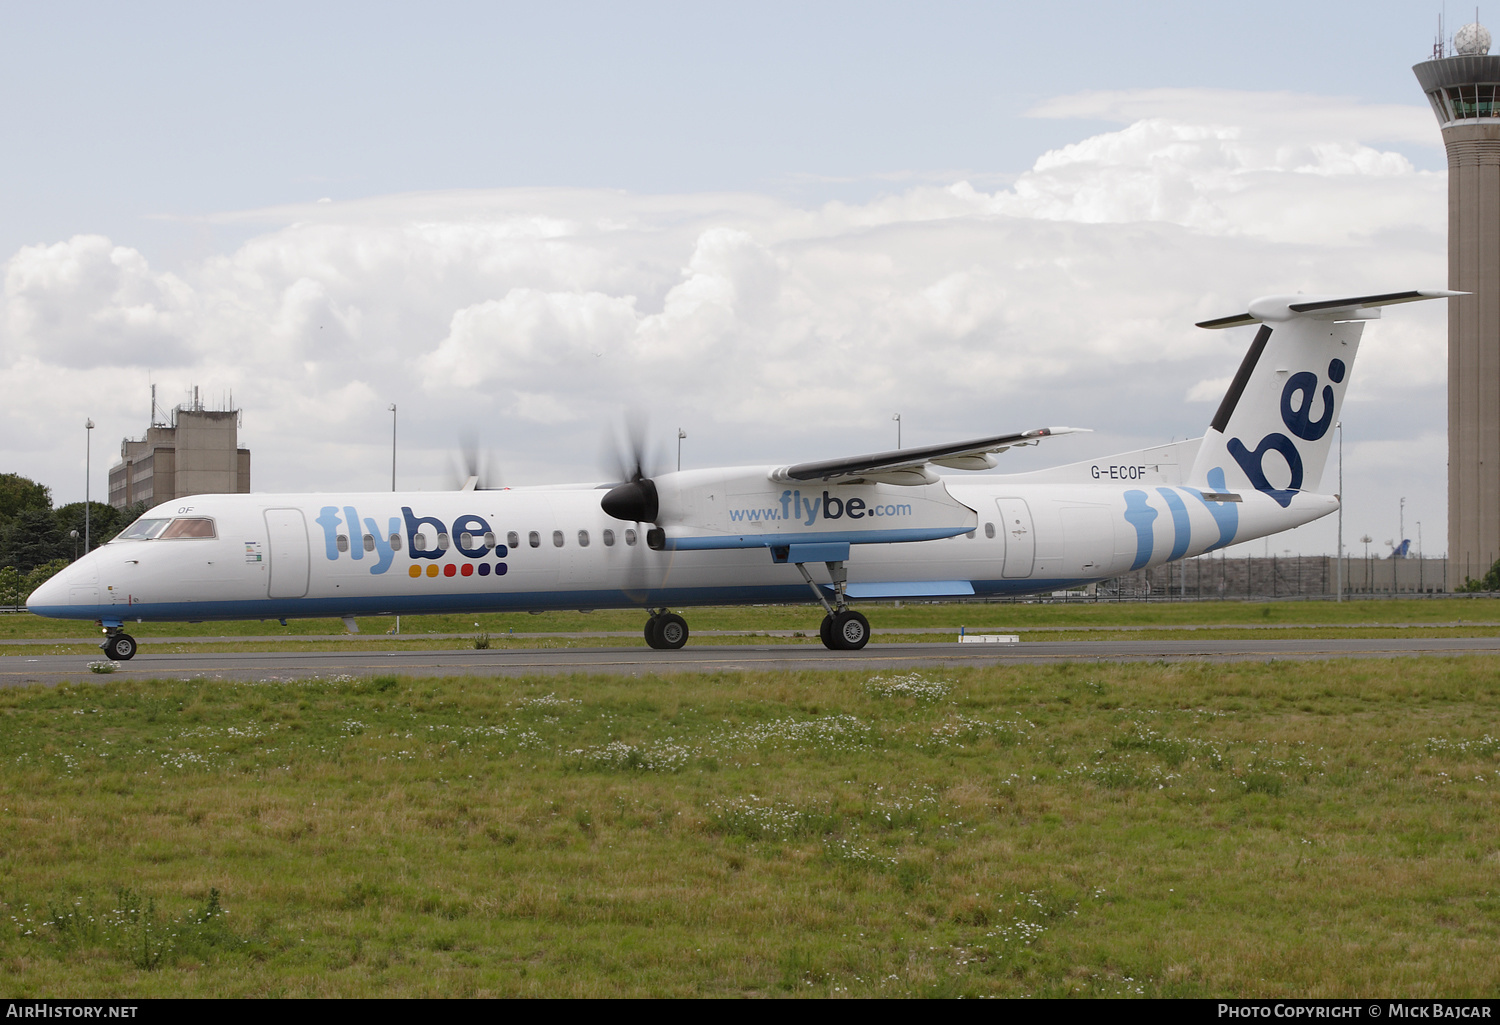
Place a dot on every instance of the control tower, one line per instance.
(1462, 84)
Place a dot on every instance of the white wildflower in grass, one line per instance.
(551, 702)
(103, 667)
(831, 732)
(957, 730)
(753, 819)
(847, 852)
(908, 685)
(665, 756)
(1172, 750)
(1485, 746)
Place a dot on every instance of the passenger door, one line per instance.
(290, 565)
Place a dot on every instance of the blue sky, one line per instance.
(121, 115)
(774, 225)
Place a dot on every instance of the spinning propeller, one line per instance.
(636, 498)
(471, 469)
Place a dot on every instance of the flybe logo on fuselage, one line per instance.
(1296, 413)
(426, 537)
(808, 511)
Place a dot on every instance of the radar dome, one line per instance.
(1472, 39)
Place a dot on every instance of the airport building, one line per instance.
(198, 453)
(1462, 83)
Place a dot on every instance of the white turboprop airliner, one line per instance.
(877, 526)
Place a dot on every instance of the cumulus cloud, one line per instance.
(769, 331)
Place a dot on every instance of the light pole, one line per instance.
(1369, 574)
(897, 418)
(392, 408)
(1402, 536)
(680, 435)
(1339, 567)
(88, 446)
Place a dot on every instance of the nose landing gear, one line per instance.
(118, 646)
(666, 630)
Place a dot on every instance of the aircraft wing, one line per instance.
(909, 465)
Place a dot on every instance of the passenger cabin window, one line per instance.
(442, 542)
(609, 538)
(630, 535)
(557, 539)
(343, 542)
(369, 542)
(989, 530)
(583, 539)
(420, 542)
(970, 535)
(466, 540)
(535, 539)
(143, 530)
(189, 526)
(395, 542)
(489, 539)
(514, 540)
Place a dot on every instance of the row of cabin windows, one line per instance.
(534, 539)
(512, 539)
(559, 539)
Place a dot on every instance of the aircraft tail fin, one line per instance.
(1273, 430)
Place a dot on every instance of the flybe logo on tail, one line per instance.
(1297, 401)
(426, 537)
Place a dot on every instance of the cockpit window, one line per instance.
(189, 526)
(142, 530)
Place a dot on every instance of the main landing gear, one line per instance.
(118, 645)
(842, 629)
(666, 630)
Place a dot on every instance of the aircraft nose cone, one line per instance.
(633, 501)
(50, 595)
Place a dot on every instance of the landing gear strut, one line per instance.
(842, 629)
(118, 645)
(666, 630)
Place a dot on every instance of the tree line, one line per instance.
(37, 540)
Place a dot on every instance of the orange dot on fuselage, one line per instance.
(415, 571)
(432, 571)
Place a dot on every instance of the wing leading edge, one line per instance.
(909, 465)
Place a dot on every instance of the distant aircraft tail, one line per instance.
(1274, 428)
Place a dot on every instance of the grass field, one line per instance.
(1254, 829)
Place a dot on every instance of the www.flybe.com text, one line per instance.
(807, 511)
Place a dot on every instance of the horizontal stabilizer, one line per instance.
(895, 466)
(1276, 308)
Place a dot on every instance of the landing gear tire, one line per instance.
(120, 648)
(671, 631)
(666, 632)
(846, 631)
(825, 631)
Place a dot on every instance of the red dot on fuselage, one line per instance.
(449, 570)
(467, 570)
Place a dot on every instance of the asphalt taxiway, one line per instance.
(20, 670)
